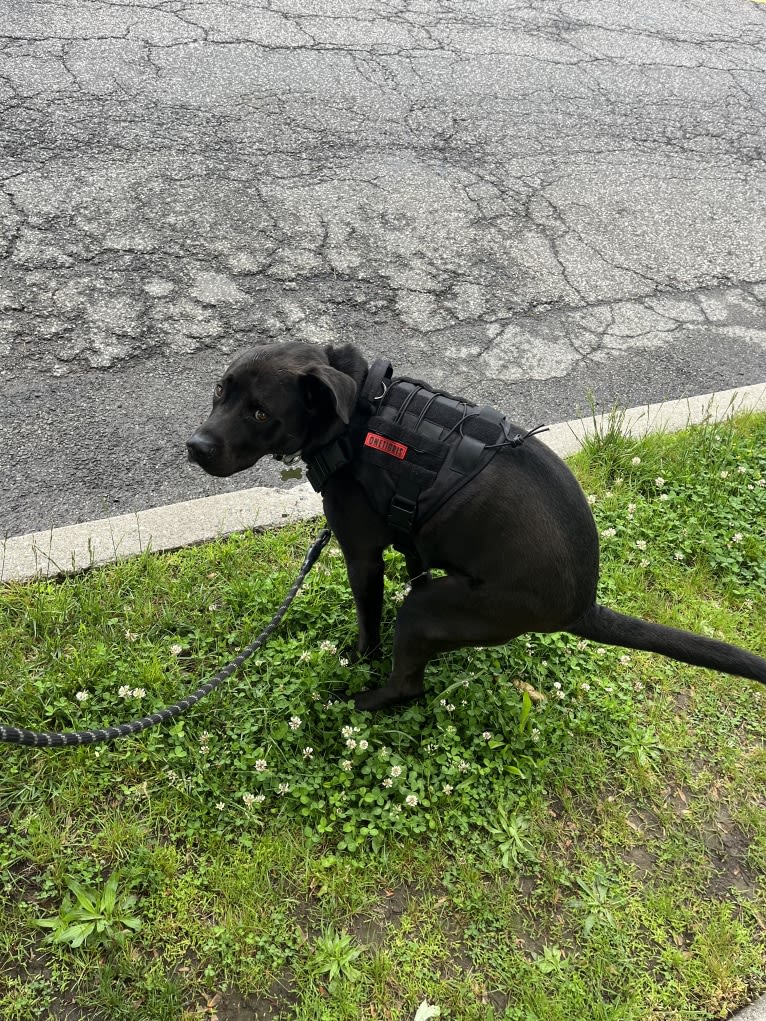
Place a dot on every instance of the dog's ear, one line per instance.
(322, 385)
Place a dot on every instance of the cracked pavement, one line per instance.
(527, 201)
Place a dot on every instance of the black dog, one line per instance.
(515, 534)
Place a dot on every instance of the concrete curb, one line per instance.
(75, 547)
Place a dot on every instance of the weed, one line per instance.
(333, 959)
(93, 918)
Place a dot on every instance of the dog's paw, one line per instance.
(383, 698)
(365, 701)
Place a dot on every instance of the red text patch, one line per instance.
(385, 445)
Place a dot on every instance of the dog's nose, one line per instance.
(201, 448)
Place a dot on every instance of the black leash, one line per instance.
(54, 739)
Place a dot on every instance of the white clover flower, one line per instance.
(624, 660)
(447, 789)
(328, 647)
(260, 798)
(592, 499)
(641, 544)
(260, 765)
(125, 691)
(678, 555)
(535, 734)
(139, 692)
(557, 685)
(347, 731)
(760, 482)
(343, 661)
(608, 533)
(220, 806)
(351, 744)
(295, 722)
(635, 461)
(487, 735)
(308, 753)
(585, 687)
(659, 482)
(388, 782)
(463, 766)
(363, 745)
(176, 650)
(450, 707)
(304, 656)
(600, 651)
(248, 799)
(384, 752)
(411, 800)
(664, 497)
(619, 480)
(395, 771)
(724, 475)
(284, 788)
(737, 537)
(131, 636)
(315, 696)
(742, 469)
(348, 765)
(631, 508)
(82, 696)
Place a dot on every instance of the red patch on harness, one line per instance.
(385, 445)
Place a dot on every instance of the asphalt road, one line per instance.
(528, 201)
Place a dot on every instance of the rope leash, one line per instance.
(67, 739)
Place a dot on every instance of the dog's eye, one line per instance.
(218, 391)
(260, 415)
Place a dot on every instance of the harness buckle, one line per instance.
(327, 461)
(401, 512)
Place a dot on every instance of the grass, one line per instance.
(559, 831)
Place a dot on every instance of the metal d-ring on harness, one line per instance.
(53, 739)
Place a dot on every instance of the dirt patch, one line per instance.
(268, 1007)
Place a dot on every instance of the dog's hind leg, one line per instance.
(438, 616)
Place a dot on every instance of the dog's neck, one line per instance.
(337, 447)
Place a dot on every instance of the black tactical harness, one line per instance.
(411, 448)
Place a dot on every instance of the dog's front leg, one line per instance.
(365, 575)
(362, 537)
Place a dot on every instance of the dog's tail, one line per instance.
(612, 628)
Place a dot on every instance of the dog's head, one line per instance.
(277, 399)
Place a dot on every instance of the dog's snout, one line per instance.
(201, 447)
